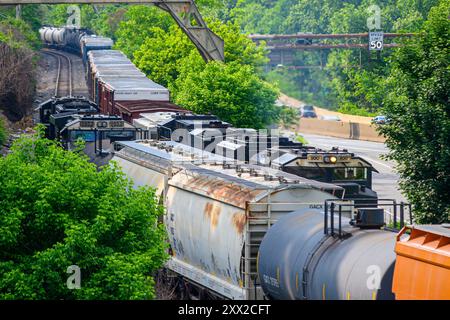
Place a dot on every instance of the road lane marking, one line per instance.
(378, 162)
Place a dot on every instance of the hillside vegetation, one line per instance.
(17, 65)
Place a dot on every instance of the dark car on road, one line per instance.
(308, 114)
(308, 107)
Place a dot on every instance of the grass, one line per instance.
(301, 139)
(3, 134)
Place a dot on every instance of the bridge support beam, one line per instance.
(18, 11)
(187, 16)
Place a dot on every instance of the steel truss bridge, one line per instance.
(283, 46)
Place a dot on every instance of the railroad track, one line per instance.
(63, 82)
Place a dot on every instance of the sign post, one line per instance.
(376, 40)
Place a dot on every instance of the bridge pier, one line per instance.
(18, 11)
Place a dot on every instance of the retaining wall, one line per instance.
(340, 129)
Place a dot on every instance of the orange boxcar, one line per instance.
(422, 268)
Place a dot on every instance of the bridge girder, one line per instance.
(184, 12)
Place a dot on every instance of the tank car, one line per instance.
(52, 36)
(298, 260)
(74, 38)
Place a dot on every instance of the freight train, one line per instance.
(119, 88)
(283, 221)
(114, 82)
(266, 148)
(242, 231)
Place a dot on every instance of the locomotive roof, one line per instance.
(156, 117)
(288, 156)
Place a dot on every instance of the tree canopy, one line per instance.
(3, 133)
(417, 105)
(234, 90)
(344, 72)
(231, 91)
(58, 210)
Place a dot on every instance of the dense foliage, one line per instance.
(418, 106)
(349, 79)
(233, 90)
(58, 210)
(17, 64)
(3, 133)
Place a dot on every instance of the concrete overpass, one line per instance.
(185, 13)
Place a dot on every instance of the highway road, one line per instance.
(385, 183)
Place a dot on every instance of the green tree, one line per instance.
(58, 210)
(139, 24)
(160, 56)
(417, 103)
(3, 134)
(231, 91)
(289, 117)
(162, 51)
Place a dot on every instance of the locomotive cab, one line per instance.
(335, 166)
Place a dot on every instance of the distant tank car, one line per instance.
(52, 36)
(76, 40)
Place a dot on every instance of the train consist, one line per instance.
(207, 132)
(119, 88)
(243, 231)
(115, 84)
(217, 210)
(249, 215)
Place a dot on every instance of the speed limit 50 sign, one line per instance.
(376, 40)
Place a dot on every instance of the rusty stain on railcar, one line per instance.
(239, 220)
(223, 190)
(212, 212)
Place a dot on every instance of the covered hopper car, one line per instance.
(217, 213)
